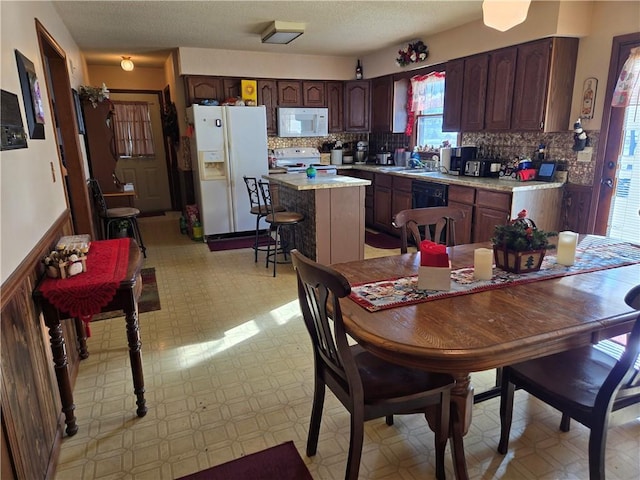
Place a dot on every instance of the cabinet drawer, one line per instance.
(462, 194)
(495, 200)
(383, 180)
(400, 183)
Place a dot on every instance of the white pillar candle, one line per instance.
(483, 264)
(567, 242)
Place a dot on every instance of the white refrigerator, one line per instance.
(227, 143)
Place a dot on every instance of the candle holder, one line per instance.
(567, 243)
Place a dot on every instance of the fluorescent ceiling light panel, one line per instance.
(282, 32)
(504, 14)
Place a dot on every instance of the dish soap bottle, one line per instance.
(358, 71)
(311, 172)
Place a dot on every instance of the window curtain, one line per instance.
(627, 80)
(132, 127)
(426, 96)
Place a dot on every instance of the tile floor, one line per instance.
(228, 371)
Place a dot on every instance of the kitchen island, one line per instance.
(333, 206)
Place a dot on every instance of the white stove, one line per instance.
(297, 159)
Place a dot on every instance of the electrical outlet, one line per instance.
(585, 155)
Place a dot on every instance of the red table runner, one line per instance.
(593, 254)
(85, 294)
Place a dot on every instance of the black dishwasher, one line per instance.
(428, 194)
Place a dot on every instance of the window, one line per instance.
(132, 127)
(427, 106)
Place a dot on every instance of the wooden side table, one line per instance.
(125, 298)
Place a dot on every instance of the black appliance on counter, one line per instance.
(459, 156)
(428, 194)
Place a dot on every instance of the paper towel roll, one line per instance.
(445, 158)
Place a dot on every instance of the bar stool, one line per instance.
(111, 216)
(257, 209)
(277, 220)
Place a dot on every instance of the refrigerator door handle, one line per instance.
(218, 122)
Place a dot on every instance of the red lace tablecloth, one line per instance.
(85, 294)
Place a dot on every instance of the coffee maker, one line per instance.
(459, 156)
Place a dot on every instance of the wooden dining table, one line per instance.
(486, 329)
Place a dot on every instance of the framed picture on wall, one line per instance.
(78, 106)
(31, 95)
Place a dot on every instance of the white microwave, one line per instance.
(303, 122)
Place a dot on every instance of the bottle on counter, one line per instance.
(311, 171)
(358, 71)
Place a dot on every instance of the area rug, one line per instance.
(281, 462)
(217, 245)
(149, 298)
(381, 240)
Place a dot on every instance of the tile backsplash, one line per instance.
(506, 146)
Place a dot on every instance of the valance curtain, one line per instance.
(132, 126)
(426, 97)
(627, 80)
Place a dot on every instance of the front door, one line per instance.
(617, 182)
(149, 174)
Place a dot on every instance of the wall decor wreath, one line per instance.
(413, 52)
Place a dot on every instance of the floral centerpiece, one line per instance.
(413, 52)
(519, 246)
(94, 94)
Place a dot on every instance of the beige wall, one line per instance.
(30, 200)
(138, 79)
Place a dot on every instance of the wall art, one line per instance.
(589, 90)
(79, 117)
(31, 96)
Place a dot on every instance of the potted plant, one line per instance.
(121, 228)
(519, 246)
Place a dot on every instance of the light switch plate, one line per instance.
(585, 155)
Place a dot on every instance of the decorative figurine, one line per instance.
(580, 138)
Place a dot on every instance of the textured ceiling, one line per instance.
(147, 30)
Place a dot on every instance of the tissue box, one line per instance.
(434, 278)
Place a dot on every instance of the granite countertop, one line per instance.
(299, 181)
(436, 177)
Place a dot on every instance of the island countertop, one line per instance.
(299, 181)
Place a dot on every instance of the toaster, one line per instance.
(482, 168)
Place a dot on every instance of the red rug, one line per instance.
(281, 462)
(218, 245)
(381, 240)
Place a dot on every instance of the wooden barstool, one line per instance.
(111, 216)
(277, 220)
(257, 209)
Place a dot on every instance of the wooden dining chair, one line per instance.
(366, 385)
(430, 222)
(585, 384)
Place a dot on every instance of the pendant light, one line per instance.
(126, 64)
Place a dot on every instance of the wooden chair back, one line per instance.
(433, 221)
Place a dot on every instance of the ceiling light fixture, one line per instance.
(282, 32)
(503, 15)
(126, 64)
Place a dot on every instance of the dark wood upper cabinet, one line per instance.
(453, 87)
(544, 85)
(268, 96)
(313, 94)
(289, 93)
(203, 87)
(500, 81)
(474, 92)
(335, 102)
(381, 104)
(357, 100)
(231, 88)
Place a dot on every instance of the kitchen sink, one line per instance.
(397, 169)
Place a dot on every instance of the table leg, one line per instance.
(133, 338)
(82, 338)
(61, 367)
